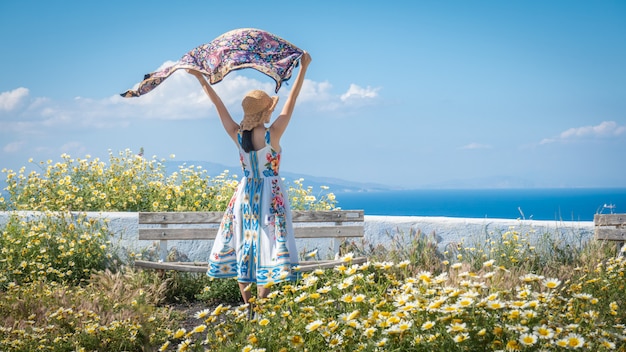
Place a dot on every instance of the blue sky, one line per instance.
(403, 93)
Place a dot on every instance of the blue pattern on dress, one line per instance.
(255, 241)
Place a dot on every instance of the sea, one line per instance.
(560, 204)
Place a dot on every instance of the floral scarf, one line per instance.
(233, 50)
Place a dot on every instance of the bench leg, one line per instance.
(163, 250)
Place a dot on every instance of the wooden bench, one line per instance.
(336, 225)
(610, 227)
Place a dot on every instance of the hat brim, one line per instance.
(274, 103)
(269, 110)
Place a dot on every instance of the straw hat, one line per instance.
(257, 106)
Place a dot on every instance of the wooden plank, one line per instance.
(176, 234)
(185, 217)
(609, 219)
(170, 266)
(610, 234)
(201, 264)
(327, 216)
(215, 217)
(202, 268)
(328, 231)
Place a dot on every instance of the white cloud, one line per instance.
(13, 99)
(606, 129)
(74, 148)
(475, 145)
(13, 147)
(180, 97)
(357, 92)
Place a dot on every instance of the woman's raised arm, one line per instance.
(280, 124)
(229, 124)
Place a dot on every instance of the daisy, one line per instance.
(359, 298)
(343, 285)
(495, 304)
(607, 344)
(312, 326)
(369, 332)
(184, 345)
(405, 325)
(428, 325)
(461, 337)
(403, 264)
(382, 342)
(551, 283)
(457, 327)
(531, 277)
(335, 341)
(347, 298)
(201, 314)
(574, 341)
(297, 340)
(489, 263)
(561, 343)
(355, 314)
(465, 302)
(180, 333)
(198, 329)
(528, 339)
(347, 258)
(512, 346)
(425, 276)
(544, 332)
(300, 298)
(488, 275)
(165, 346)
(324, 289)
(492, 297)
(583, 296)
(219, 310)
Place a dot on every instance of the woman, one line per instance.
(255, 241)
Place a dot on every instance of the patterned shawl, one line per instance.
(234, 50)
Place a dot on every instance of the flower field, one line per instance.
(63, 287)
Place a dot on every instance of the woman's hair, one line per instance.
(246, 141)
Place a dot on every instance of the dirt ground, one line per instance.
(189, 310)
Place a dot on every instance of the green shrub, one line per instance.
(129, 182)
(61, 246)
(183, 287)
(221, 291)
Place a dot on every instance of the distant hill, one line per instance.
(336, 185)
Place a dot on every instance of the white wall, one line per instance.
(377, 231)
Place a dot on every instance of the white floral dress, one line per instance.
(255, 240)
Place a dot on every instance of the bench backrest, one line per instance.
(163, 226)
(610, 227)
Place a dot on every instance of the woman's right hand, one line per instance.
(306, 59)
(194, 73)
